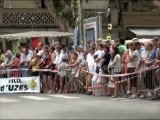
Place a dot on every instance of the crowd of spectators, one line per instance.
(73, 69)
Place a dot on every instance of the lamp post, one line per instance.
(79, 21)
(32, 22)
(100, 24)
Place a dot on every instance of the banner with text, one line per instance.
(20, 84)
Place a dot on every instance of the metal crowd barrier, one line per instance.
(8, 73)
(147, 81)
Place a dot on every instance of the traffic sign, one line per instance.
(109, 26)
(108, 37)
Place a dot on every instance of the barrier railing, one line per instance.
(146, 79)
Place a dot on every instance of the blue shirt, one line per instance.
(154, 53)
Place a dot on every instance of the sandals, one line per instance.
(114, 96)
(108, 95)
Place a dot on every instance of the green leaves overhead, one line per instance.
(67, 9)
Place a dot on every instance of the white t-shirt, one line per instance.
(62, 69)
(134, 62)
(97, 52)
(100, 54)
(91, 63)
(41, 54)
(80, 55)
(58, 58)
(116, 64)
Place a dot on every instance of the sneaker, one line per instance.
(50, 91)
(114, 96)
(125, 95)
(129, 93)
(133, 96)
(154, 98)
(157, 89)
(149, 94)
(142, 96)
(89, 92)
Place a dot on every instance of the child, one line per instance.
(74, 64)
(63, 73)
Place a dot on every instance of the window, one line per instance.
(125, 4)
(43, 4)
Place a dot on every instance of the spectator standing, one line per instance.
(35, 64)
(7, 64)
(91, 67)
(80, 52)
(63, 73)
(40, 52)
(46, 74)
(15, 65)
(122, 47)
(157, 63)
(57, 60)
(2, 57)
(25, 61)
(98, 56)
(74, 65)
(104, 69)
(133, 59)
(115, 68)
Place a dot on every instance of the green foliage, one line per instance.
(58, 4)
(67, 9)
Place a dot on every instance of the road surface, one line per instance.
(73, 106)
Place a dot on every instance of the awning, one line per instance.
(145, 32)
(32, 34)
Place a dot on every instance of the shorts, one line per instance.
(47, 73)
(35, 73)
(119, 78)
(158, 71)
(133, 77)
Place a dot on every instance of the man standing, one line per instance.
(40, 51)
(8, 62)
(57, 60)
(157, 63)
(142, 54)
(80, 52)
(122, 47)
(2, 57)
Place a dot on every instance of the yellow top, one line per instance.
(34, 67)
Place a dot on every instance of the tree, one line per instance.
(64, 13)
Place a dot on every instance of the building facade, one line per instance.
(128, 17)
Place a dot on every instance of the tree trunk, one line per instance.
(62, 22)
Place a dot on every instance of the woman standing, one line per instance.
(133, 59)
(46, 74)
(25, 60)
(15, 65)
(115, 68)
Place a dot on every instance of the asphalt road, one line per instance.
(72, 106)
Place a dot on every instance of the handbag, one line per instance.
(104, 69)
(97, 69)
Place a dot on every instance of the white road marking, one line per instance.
(64, 96)
(6, 100)
(35, 97)
(118, 99)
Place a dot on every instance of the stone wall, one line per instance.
(95, 4)
(22, 3)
